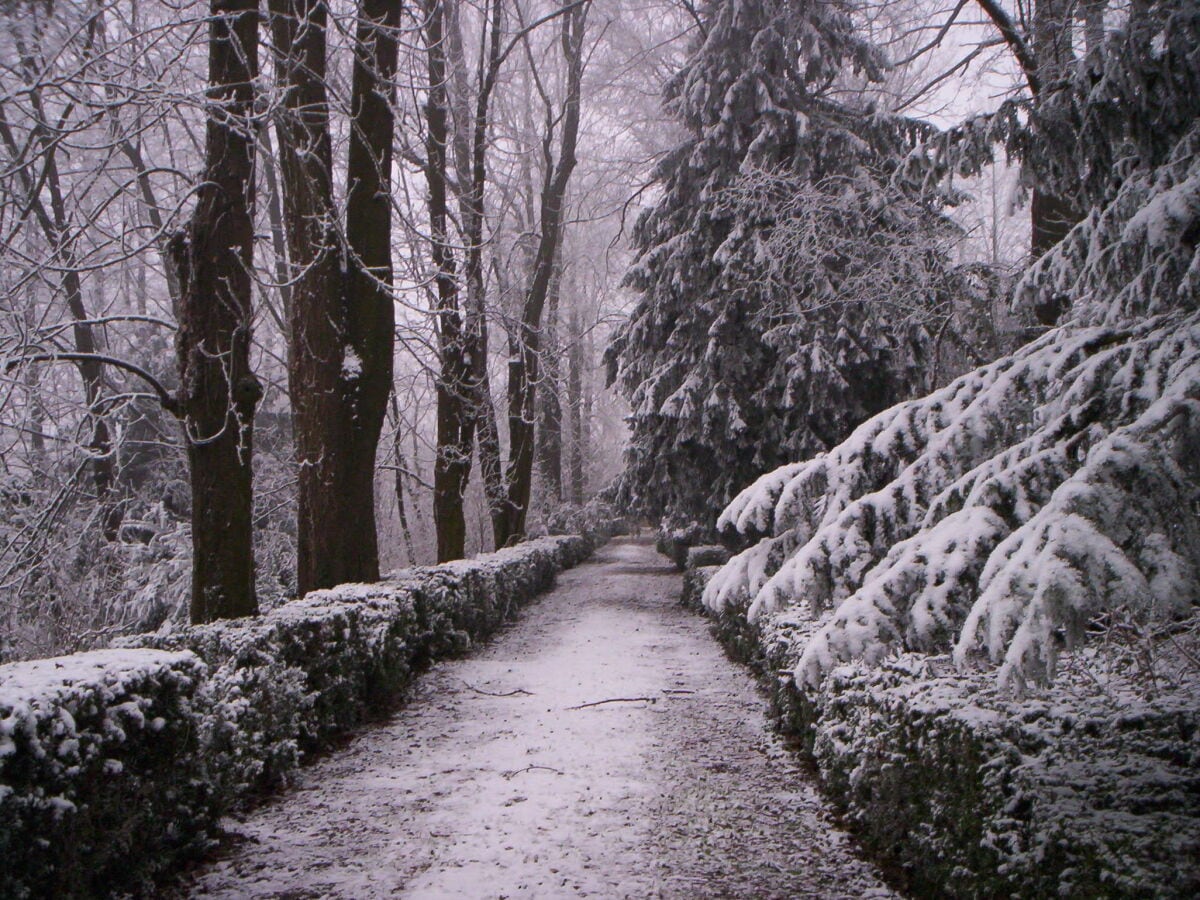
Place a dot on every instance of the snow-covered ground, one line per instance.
(489, 784)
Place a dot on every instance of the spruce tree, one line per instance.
(752, 343)
(1048, 498)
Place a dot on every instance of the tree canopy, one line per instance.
(1006, 515)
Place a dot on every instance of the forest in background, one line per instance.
(823, 208)
(405, 178)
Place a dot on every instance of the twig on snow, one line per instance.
(616, 700)
(497, 694)
(510, 775)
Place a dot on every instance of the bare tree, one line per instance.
(218, 392)
(341, 299)
(455, 411)
(508, 496)
(458, 119)
(36, 167)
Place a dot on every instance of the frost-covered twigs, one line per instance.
(650, 700)
(999, 515)
(516, 692)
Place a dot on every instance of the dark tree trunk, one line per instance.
(342, 318)
(353, 554)
(317, 327)
(475, 323)
(455, 419)
(549, 426)
(1044, 55)
(509, 514)
(1051, 217)
(278, 235)
(218, 392)
(575, 412)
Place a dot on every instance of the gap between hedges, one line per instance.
(116, 764)
(959, 789)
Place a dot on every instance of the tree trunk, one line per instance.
(342, 318)
(475, 323)
(455, 420)
(398, 481)
(575, 412)
(317, 326)
(509, 516)
(1051, 217)
(549, 426)
(1044, 56)
(218, 392)
(353, 554)
(278, 235)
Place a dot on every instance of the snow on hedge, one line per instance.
(996, 517)
(1086, 790)
(115, 763)
(98, 761)
(286, 682)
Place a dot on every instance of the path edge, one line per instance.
(955, 788)
(116, 765)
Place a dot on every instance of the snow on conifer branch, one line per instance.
(1138, 256)
(1000, 515)
(996, 517)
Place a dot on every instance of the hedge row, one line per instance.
(100, 767)
(957, 789)
(116, 764)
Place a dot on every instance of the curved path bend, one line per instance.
(489, 783)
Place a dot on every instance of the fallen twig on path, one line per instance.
(510, 775)
(676, 691)
(616, 700)
(494, 693)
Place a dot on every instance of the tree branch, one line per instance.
(169, 402)
(1008, 30)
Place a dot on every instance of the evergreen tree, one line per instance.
(753, 342)
(1047, 498)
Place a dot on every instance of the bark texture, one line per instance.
(455, 419)
(342, 318)
(549, 427)
(218, 392)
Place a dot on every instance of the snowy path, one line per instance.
(465, 794)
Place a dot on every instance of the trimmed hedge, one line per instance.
(704, 555)
(116, 764)
(971, 792)
(959, 789)
(100, 764)
(674, 543)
